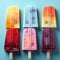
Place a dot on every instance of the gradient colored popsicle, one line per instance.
(49, 17)
(12, 40)
(48, 41)
(12, 17)
(30, 17)
(29, 39)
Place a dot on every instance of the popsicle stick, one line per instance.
(11, 55)
(29, 54)
(48, 54)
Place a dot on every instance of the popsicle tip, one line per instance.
(12, 7)
(48, 7)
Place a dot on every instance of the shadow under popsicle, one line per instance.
(38, 16)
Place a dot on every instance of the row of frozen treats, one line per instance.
(13, 17)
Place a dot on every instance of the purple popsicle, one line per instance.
(48, 42)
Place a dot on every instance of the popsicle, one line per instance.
(48, 17)
(12, 41)
(30, 17)
(48, 41)
(12, 17)
(29, 40)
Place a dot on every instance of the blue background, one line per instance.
(36, 55)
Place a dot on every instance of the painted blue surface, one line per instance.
(36, 55)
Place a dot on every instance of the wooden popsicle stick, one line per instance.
(11, 55)
(48, 54)
(29, 54)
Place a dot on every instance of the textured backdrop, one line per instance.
(36, 55)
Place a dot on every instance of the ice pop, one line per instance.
(48, 42)
(49, 17)
(30, 17)
(12, 17)
(12, 41)
(29, 40)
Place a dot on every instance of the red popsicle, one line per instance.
(12, 40)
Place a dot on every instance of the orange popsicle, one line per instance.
(49, 17)
(12, 17)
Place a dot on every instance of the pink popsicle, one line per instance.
(29, 39)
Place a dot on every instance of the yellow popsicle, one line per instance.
(49, 17)
(12, 17)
